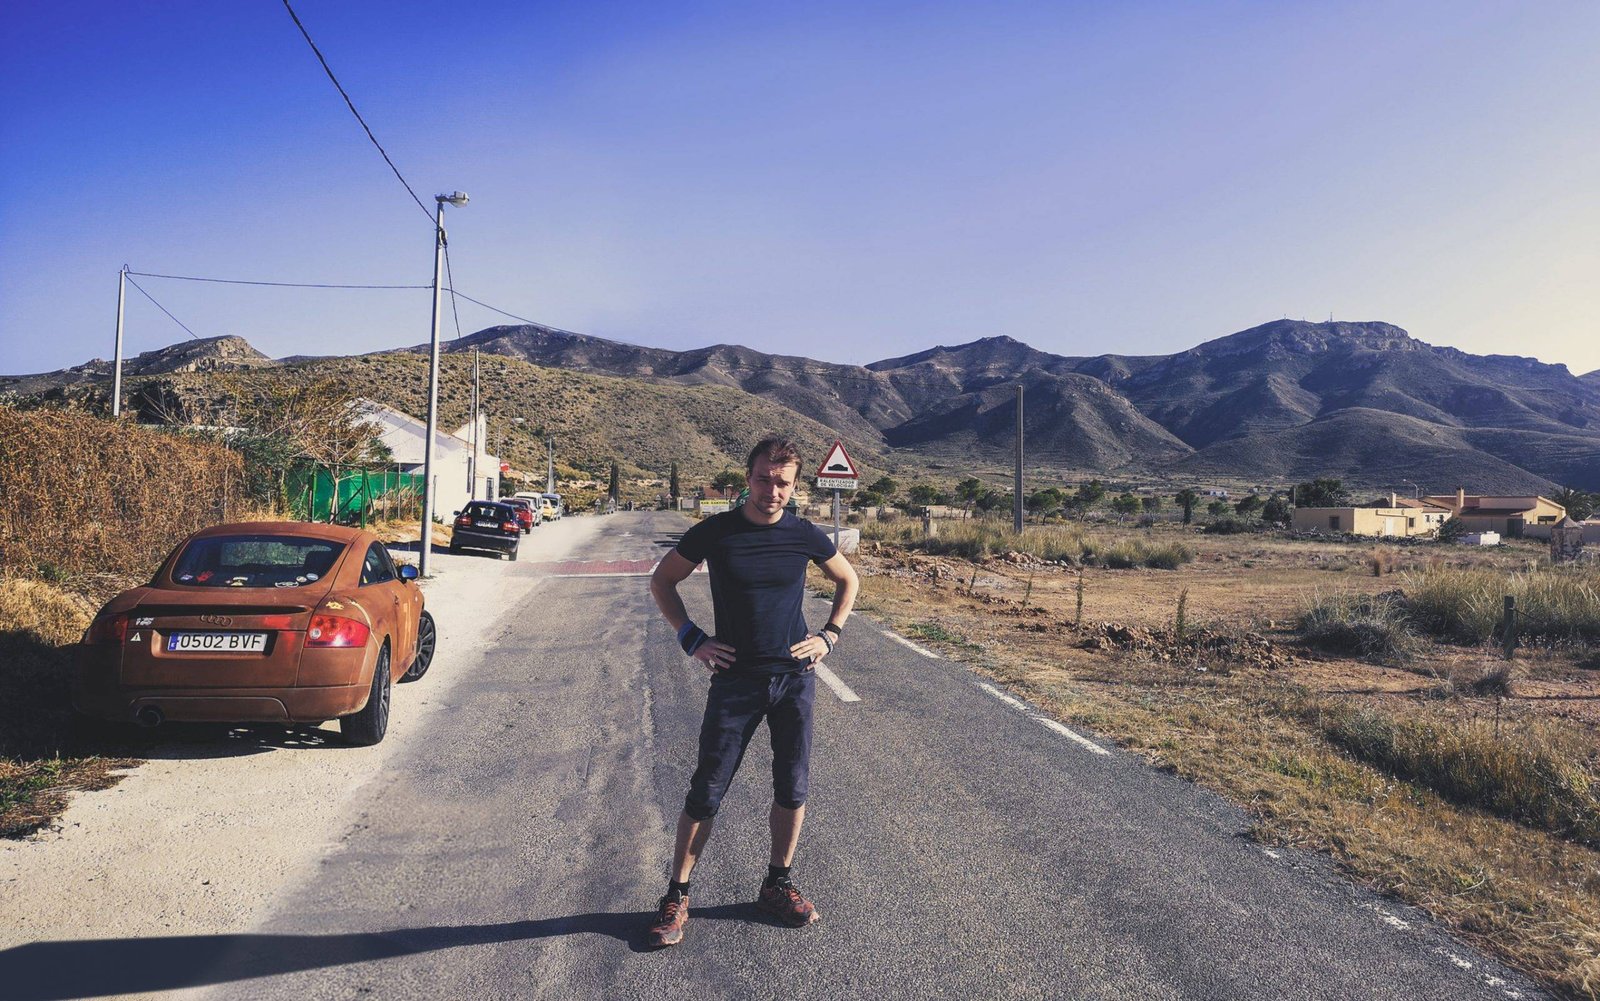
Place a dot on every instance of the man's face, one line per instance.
(770, 487)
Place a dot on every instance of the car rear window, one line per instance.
(495, 511)
(256, 561)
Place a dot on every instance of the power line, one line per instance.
(164, 309)
(329, 70)
(451, 280)
(454, 294)
(238, 281)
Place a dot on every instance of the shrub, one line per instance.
(1538, 774)
(1363, 625)
(1227, 525)
(977, 539)
(1466, 606)
(1382, 560)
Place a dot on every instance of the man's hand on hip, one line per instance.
(810, 650)
(715, 655)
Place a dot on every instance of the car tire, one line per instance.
(513, 554)
(427, 639)
(368, 726)
(454, 549)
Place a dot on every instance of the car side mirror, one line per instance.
(408, 572)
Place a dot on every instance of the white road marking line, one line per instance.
(910, 645)
(1050, 724)
(839, 687)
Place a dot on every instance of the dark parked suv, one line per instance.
(487, 525)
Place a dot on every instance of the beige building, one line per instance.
(1399, 518)
(1508, 515)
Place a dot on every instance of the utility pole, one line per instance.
(116, 371)
(457, 199)
(472, 462)
(550, 477)
(1016, 512)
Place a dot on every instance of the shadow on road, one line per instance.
(56, 971)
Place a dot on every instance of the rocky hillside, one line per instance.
(1284, 400)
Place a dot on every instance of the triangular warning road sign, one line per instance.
(838, 464)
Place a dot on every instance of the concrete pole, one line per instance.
(116, 364)
(433, 396)
(1016, 513)
(550, 477)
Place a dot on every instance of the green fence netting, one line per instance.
(354, 495)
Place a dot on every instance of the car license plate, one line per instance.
(487, 524)
(217, 642)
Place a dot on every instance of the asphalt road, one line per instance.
(956, 845)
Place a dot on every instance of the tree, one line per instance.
(1579, 505)
(728, 479)
(1324, 491)
(1276, 510)
(1151, 504)
(1124, 505)
(614, 490)
(968, 491)
(991, 500)
(1042, 502)
(672, 485)
(1217, 508)
(1187, 498)
(923, 494)
(884, 487)
(1249, 504)
(866, 498)
(1089, 494)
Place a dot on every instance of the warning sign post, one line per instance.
(837, 473)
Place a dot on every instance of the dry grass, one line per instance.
(1418, 797)
(1359, 625)
(1465, 605)
(980, 539)
(44, 754)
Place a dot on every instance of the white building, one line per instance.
(459, 475)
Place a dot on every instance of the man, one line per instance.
(762, 661)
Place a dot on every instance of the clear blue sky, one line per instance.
(849, 181)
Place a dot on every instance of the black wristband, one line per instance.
(690, 637)
(835, 630)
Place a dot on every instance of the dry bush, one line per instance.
(1361, 625)
(978, 539)
(1537, 773)
(1466, 605)
(1382, 560)
(82, 496)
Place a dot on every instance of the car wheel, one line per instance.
(454, 549)
(427, 638)
(370, 724)
(514, 553)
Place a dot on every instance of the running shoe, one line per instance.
(784, 901)
(670, 919)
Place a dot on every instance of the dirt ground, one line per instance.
(1258, 585)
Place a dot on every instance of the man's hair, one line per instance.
(778, 451)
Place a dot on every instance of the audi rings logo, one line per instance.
(217, 620)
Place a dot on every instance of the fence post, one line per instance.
(1508, 630)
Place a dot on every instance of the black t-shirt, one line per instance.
(758, 578)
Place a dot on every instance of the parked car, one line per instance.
(553, 503)
(260, 622)
(490, 525)
(528, 514)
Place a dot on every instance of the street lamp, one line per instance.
(1416, 491)
(458, 199)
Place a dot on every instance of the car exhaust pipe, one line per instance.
(149, 717)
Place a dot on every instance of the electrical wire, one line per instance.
(454, 294)
(238, 281)
(340, 88)
(164, 309)
(450, 279)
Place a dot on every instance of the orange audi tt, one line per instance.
(260, 622)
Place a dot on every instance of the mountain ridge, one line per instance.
(1363, 399)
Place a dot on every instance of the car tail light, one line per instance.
(107, 629)
(463, 520)
(509, 526)
(336, 630)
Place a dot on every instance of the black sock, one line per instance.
(677, 889)
(775, 873)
